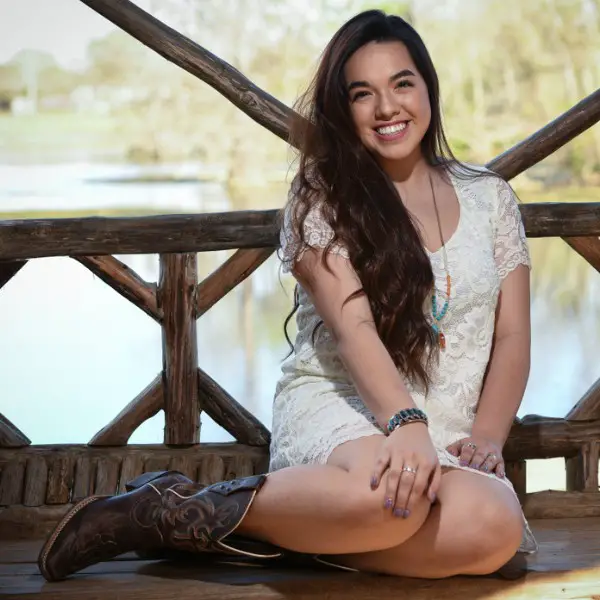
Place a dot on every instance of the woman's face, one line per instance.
(388, 100)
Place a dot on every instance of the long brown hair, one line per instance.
(359, 200)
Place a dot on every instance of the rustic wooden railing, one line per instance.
(47, 479)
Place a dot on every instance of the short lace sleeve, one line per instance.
(317, 234)
(510, 245)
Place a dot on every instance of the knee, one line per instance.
(492, 534)
(367, 509)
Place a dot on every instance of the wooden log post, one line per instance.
(582, 470)
(177, 300)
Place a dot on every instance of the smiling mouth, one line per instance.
(392, 129)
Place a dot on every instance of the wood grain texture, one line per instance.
(230, 274)
(31, 238)
(183, 52)
(229, 414)
(11, 482)
(143, 407)
(8, 269)
(588, 407)
(60, 477)
(107, 476)
(582, 469)
(566, 568)
(10, 435)
(177, 299)
(540, 437)
(125, 281)
(516, 473)
(588, 248)
(553, 504)
(36, 480)
(85, 472)
(550, 138)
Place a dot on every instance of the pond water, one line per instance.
(73, 352)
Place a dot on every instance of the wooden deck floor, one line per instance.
(567, 567)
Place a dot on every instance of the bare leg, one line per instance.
(330, 508)
(474, 529)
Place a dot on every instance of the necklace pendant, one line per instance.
(442, 340)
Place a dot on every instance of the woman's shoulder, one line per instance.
(479, 186)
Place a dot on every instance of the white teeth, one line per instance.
(391, 129)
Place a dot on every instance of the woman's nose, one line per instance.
(387, 107)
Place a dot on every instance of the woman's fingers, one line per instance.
(381, 464)
(500, 469)
(420, 479)
(434, 486)
(408, 470)
(467, 452)
(394, 481)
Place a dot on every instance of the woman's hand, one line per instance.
(412, 466)
(479, 453)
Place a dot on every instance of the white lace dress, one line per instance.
(316, 406)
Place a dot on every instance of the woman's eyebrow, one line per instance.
(398, 75)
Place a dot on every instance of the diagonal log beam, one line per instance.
(183, 52)
(231, 273)
(276, 117)
(550, 138)
(229, 414)
(11, 436)
(588, 406)
(125, 281)
(588, 248)
(8, 269)
(144, 406)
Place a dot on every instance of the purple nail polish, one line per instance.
(463, 463)
(406, 513)
(373, 481)
(388, 503)
(398, 512)
(433, 498)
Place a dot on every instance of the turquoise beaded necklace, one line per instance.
(439, 314)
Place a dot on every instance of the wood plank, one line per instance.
(229, 414)
(230, 274)
(588, 407)
(553, 504)
(8, 269)
(85, 473)
(143, 407)
(125, 281)
(11, 482)
(177, 299)
(516, 472)
(239, 466)
(542, 437)
(107, 476)
(60, 478)
(36, 481)
(212, 469)
(131, 466)
(582, 470)
(10, 435)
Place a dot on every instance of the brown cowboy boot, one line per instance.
(100, 528)
(183, 488)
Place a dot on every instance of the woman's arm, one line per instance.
(509, 364)
(352, 326)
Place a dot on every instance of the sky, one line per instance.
(62, 27)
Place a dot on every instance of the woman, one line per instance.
(411, 358)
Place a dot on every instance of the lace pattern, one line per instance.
(316, 407)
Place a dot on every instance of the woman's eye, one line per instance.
(404, 83)
(359, 95)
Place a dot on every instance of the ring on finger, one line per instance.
(471, 445)
(409, 470)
